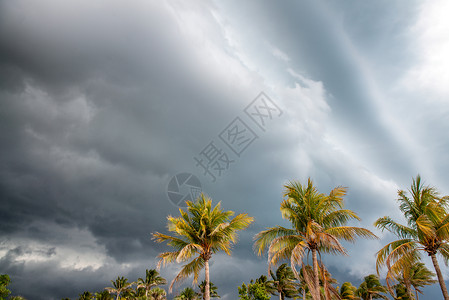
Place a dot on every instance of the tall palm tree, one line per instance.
(427, 230)
(348, 291)
(318, 222)
(283, 282)
(152, 279)
(212, 290)
(121, 285)
(187, 294)
(201, 230)
(371, 288)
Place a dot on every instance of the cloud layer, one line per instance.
(103, 102)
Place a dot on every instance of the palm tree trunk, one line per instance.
(206, 288)
(440, 277)
(316, 279)
(416, 292)
(280, 296)
(304, 294)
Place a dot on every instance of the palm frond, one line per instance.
(349, 233)
(194, 267)
(264, 238)
(398, 229)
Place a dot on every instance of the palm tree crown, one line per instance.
(371, 288)
(121, 285)
(283, 282)
(318, 222)
(420, 276)
(201, 230)
(348, 291)
(151, 279)
(187, 294)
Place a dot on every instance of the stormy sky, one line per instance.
(103, 102)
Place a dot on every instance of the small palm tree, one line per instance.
(212, 290)
(202, 230)
(371, 288)
(121, 285)
(419, 277)
(86, 296)
(103, 295)
(318, 223)
(427, 230)
(187, 294)
(348, 291)
(157, 293)
(401, 292)
(134, 294)
(283, 282)
(151, 279)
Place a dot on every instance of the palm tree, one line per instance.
(401, 292)
(134, 294)
(348, 291)
(318, 222)
(212, 290)
(103, 295)
(86, 296)
(420, 276)
(187, 294)
(267, 285)
(157, 294)
(427, 230)
(284, 282)
(121, 285)
(371, 288)
(255, 290)
(201, 230)
(152, 279)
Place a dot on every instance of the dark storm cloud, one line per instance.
(102, 102)
(320, 46)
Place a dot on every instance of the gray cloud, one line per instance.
(101, 103)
